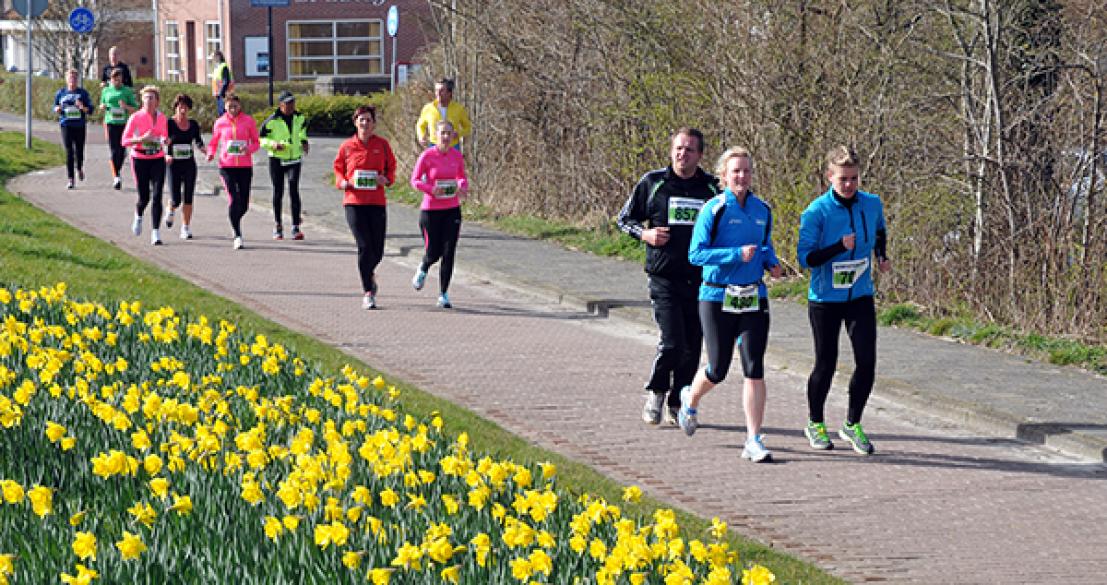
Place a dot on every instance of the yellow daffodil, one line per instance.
(84, 576)
(632, 494)
(352, 559)
(131, 546)
(84, 545)
(757, 575)
(451, 574)
(42, 500)
(182, 505)
(379, 576)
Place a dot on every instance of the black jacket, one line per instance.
(648, 207)
(105, 74)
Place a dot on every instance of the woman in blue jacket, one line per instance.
(840, 232)
(732, 240)
(73, 104)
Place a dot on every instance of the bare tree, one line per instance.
(62, 48)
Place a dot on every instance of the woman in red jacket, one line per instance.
(363, 167)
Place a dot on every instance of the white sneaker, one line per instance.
(186, 233)
(136, 225)
(169, 218)
(117, 184)
(369, 301)
(418, 280)
(651, 411)
(755, 450)
(155, 237)
(238, 243)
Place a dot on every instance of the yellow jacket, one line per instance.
(427, 127)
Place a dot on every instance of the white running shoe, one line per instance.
(155, 237)
(651, 411)
(369, 301)
(169, 218)
(755, 450)
(238, 243)
(117, 184)
(186, 233)
(136, 225)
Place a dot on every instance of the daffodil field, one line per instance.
(148, 445)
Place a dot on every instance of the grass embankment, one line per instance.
(38, 250)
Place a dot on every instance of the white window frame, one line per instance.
(212, 44)
(334, 57)
(175, 55)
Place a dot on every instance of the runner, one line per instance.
(440, 175)
(363, 167)
(840, 231)
(147, 134)
(284, 137)
(118, 102)
(235, 138)
(184, 135)
(443, 107)
(732, 240)
(72, 104)
(668, 201)
(113, 64)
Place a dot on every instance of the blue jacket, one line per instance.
(64, 98)
(721, 253)
(823, 224)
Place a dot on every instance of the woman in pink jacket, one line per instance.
(440, 175)
(235, 139)
(147, 133)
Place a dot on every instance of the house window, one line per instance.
(172, 51)
(213, 41)
(351, 48)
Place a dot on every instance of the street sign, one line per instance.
(393, 20)
(37, 7)
(82, 20)
(269, 3)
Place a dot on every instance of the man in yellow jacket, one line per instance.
(442, 108)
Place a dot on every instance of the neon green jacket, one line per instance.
(275, 131)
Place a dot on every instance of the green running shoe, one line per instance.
(817, 437)
(856, 437)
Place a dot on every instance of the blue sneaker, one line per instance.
(444, 301)
(687, 415)
(755, 450)
(418, 280)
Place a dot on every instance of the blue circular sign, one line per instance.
(393, 20)
(81, 20)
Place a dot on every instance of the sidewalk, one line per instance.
(941, 501)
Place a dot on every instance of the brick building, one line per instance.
(311, 38)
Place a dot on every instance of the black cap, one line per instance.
(286, 96)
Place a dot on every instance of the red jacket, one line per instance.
(372, 155)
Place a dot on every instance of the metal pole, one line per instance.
(269, 32)
(30, 64)
(392, 75)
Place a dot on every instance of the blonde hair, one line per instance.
(732, 152)
(842, 156)
(151, 89)
(447, 123)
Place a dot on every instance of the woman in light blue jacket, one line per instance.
(732, 240)
(840, 232)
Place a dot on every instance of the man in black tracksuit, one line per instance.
(661, 212)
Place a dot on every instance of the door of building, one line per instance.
(188, 50)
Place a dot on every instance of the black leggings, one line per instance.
(678, 352)
(115, 145)
(368, 223)
(277, 172)
(149, 179)
(182, 182)
(236, 181)
(826, 319)
(74, 139)
(721, 331)
(441, 229)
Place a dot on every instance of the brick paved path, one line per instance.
(938, 504)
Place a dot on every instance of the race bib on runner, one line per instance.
(236, 147)
(117, 115)
(71, 112)
(150, 148)
(741, 299)
(182, 151)
(684, 210)
(365, 179)
(847, 272)
(290, 162)
(449, 188)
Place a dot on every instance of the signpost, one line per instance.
(393, 23)
(269, 4)
(29, 9)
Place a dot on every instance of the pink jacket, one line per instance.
(434, 166)
(138, 124)
(228, 130)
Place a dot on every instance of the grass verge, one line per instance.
(37, 249)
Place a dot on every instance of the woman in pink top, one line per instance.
(235, 138)
(440, 175)
(147, 133)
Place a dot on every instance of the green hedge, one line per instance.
(326, 114)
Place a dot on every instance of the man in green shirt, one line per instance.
(117, 102)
